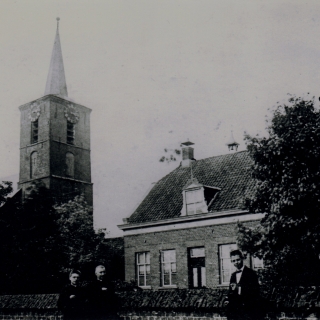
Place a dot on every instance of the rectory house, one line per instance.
(182, 232)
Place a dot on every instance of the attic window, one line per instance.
(197, 197)
(194, 201)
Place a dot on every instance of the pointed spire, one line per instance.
(56, 81)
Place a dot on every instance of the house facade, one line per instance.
(181, 234)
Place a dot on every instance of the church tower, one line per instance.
(55, 138)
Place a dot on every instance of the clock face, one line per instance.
(71, 113)
(34, 112)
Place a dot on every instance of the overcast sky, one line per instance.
(156, 73)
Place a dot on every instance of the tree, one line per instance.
(29, 260)
(78, 243)
(170, 155)
(41, 241)
(286, 169)
(5, 190)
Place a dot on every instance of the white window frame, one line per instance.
(225, 261)
(146, 265)
(198, 203)
(173, 266)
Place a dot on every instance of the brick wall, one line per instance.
(30, 315)
(30, 307)
(171, 315)
(181, 304)
(209, 237)
(203, 304)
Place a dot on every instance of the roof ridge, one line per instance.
(223, 155)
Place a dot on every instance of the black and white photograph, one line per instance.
(160, 159)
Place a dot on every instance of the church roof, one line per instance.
(230, 172)
(56, 80)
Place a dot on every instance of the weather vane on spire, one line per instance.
(58, 19)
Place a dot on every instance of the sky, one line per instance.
(156, 73)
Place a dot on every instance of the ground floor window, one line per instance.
(168, 268)
(197, 267)
(226, 267)
(143, 268)
(256, 263)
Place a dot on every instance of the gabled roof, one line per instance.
(230, 172)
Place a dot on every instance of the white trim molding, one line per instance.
(185, 222)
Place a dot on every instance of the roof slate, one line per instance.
(230, 172)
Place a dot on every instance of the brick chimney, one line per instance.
(187, 154)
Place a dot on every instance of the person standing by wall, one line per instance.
(71, 300)
(102, 300)
(243, 291)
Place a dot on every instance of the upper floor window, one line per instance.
(197, 267)
(34, 131)
(143, 268)
(168, 268)
(33, 164)
(70, 132)
(194, 201)
(197, 197)
(226, 267)
(70, 165)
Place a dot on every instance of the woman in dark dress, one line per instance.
(71, 300)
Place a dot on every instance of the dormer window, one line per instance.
(197, 197)
(194, 201)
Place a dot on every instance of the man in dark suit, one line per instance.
(243, 291)
(71, 299)
(102, 300)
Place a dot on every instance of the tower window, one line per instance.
(70, 165)
(33, 164)
(70, 132)
(34, 131)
